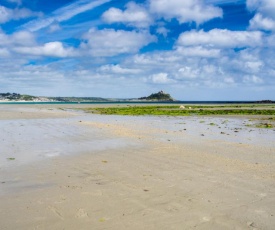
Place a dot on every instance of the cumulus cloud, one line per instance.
(110, 42)
(218, 38)
(185, 11)
(133, 15)
(262, 23)
(265, 7)
(7, 14)
(18, 38)
(264, 18)
(203, 71)
(52, 49)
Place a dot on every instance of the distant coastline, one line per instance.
(157, 98)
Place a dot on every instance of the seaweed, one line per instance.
(11, 158)
(176, 111)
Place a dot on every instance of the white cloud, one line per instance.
(218, 38)
(7, 14)
(110, 42)
(262, 23)
(162, 30)
(199, 70)
(134, 15)
(253, 66)
(188, 72)
(249, 61)
(19, 38)
(198, 51)
(155, 59)
(52, 49)
(23, 38)
(185, 11)
(264, 18)
(64, 14)
(265, 7)
(117, 69)
(160, 78)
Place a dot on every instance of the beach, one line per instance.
(62, 168)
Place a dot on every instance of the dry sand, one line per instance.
(83, 171)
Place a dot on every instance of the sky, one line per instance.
(193, 49)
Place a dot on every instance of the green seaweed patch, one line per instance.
(176, 111)
(11, 158)
(265, 125)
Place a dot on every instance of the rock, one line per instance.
(160, 96)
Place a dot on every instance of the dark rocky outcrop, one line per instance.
(160, 96)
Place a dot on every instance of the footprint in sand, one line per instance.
(81, 213)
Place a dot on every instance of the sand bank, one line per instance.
(64, 169)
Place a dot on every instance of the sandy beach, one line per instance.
(62, 168)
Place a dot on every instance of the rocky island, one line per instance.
(160, 96)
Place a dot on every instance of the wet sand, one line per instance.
(65, 169)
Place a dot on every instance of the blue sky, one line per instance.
(192, 49)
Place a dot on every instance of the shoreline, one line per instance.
(134, 172)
